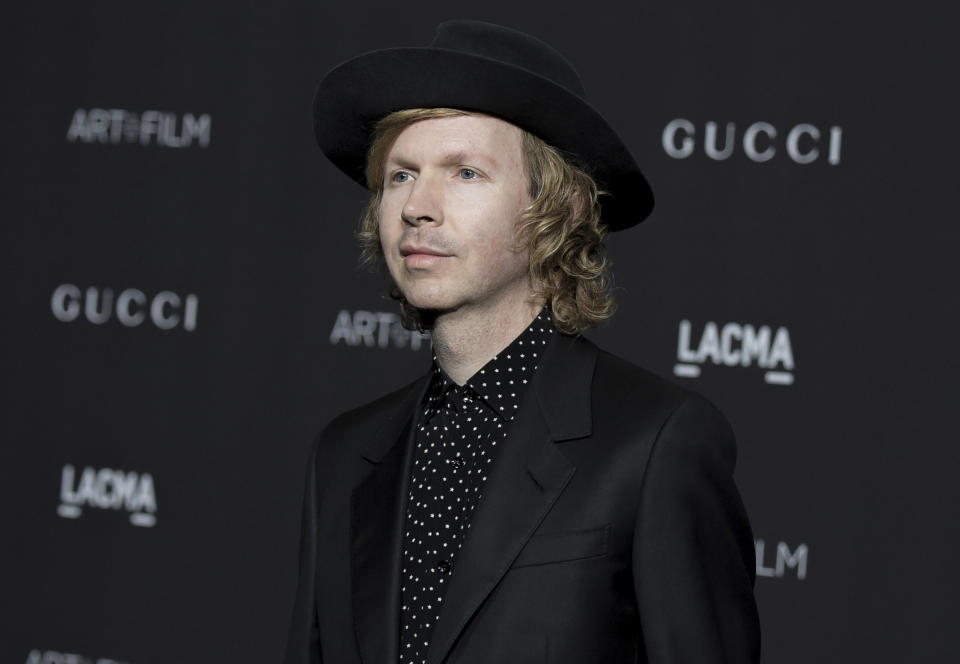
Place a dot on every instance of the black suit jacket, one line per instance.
(610, 530)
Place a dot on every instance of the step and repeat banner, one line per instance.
(184, 310)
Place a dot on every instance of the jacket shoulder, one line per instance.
(627, 389)
(362, 428)
(372, 417)
(620, 382)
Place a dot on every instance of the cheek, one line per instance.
(499, 250)
(500, 230)
(388, 245)
(391, 205)
(386, 230)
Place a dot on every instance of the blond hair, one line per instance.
(561, 227)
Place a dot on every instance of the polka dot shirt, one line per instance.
(456, 441)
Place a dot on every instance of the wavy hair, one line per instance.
(561, 227)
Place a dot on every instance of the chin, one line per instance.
(431, 307)
(427, 297)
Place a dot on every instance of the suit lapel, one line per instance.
(377, 511)
(527, 478)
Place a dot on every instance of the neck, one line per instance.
(466, 339)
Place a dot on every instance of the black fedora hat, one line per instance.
(485, 68)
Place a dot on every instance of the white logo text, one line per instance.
(374, 329)
(784, 559)
(802, 144)
(734, 344)
(108, 489)
(161, 128)
(166, 310)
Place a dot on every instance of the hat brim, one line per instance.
(353, 96)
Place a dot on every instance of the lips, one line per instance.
(414, 250)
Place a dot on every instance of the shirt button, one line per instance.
(456, 463)
(443, 566)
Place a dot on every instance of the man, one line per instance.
(532, 498)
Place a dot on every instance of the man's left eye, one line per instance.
(468, 174)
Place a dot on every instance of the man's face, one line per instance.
(452, 196)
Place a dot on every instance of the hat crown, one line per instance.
(482, 68)
(510, 47)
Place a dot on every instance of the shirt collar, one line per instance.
(503, 380)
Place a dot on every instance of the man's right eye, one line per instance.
(400, 176)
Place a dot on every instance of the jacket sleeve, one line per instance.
(303, 641)
(694, 561)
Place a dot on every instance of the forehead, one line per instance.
(473, 135)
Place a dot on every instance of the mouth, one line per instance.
(416, 257)
(410, 250)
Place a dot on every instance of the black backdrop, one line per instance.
(183, 310)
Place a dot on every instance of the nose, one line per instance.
(424, 203)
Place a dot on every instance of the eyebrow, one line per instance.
(460, 157)
(448, 159)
